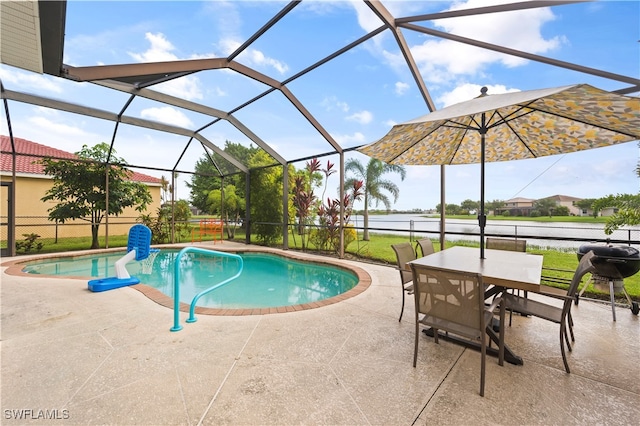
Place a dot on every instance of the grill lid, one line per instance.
(609, 250)
(613, 261)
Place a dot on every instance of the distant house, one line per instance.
(32, 184)
(517, 207)
(568, 202)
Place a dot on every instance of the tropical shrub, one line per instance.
(29, 244)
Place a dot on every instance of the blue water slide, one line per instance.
(138, 248)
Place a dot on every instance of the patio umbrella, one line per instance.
(511, 126)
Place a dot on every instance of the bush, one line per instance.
(322, 238)
(350, 235)
(319, 238)
(28, 244)
(506, 213)
(160, 226)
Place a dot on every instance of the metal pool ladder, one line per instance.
(176, 283)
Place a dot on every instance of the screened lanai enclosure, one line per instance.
(177, 88)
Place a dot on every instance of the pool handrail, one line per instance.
(176, 281)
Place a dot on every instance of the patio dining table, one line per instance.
(501, 268)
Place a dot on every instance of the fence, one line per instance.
(554, 235)
(546, 236)
(47, 229)
(50, 233)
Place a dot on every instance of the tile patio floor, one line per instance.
(109, 358)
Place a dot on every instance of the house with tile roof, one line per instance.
(31, 184)
(517, 206)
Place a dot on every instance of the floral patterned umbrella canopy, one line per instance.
(512, 126)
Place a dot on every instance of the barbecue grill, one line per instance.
(613, 263)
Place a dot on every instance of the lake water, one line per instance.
(405, 223)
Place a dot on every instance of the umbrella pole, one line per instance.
(482, 219)
(442, 208)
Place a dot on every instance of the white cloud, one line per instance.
(40, 110)
(56, 127)
(401, 88)
(332, 103)
(466, 91)
(362, 117)
(167, 115)
(258, 58)
(218, 91)
(187, 87)
(420, 174)
(367, 20)
(442, 61)
(356, 138)
(29, 80)
(65, 133)
(160, 49)
(252, 57)
(518, 29)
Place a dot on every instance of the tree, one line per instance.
(205, 180)
(232, 205)
(586, 204)
(373, 184)
(329, 216)
(494, 205)
(164, 188)
(173, 190)
(545, 206)
(266, 197)
(628, 210)
(452, 209)
(470, 205)
(449, 209)
(304, 201)
(80, 187)
(160, 225)
(207, 175)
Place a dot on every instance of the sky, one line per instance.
(357, 97)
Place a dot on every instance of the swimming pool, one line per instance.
(268, 280)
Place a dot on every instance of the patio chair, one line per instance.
(509, 245)
(404, 253)
(426, 247)
(453, 301)
(549, 275)
(506, 244)
(521, 246)
(552, 313)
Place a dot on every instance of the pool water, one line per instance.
(267, 280)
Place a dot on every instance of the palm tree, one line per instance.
(164, 187)
(373, 184)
